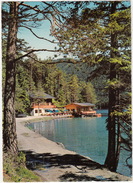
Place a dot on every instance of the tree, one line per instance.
(14, 16)
(116, 86)
(74, 89)
(22, 75)
(96, 35)
(88, 93)
(17, 14)
(22, 99)
(61, 87)
(9, 135)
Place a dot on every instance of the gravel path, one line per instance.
(59, 164)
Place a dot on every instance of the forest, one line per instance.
(99, 71)
(67, 86)
(67, 82)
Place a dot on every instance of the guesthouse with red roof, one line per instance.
(82, 109)
(44, 106)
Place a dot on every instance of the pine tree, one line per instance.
(90, 93)
(74, 89)
(22, 99)
(100, 34)
(15, 15)
(9, 135)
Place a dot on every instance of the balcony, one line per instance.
(43, 105)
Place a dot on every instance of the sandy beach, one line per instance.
(61, 164)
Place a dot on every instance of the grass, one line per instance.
(14, 169)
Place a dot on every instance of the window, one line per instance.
(36, 111)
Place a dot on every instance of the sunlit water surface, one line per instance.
(86, 136)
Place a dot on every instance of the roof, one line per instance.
(83, 104)
(44, 95)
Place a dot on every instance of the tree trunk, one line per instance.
(111, 162)
(118, 128)
(9, 128)
(110, 159)
(118, 143)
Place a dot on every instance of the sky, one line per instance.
(35, 43)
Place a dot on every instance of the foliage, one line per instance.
(100, 35)
(16, 15)
(74, 89)
(90, 93)
(66, 88)
(22, 102)
(15, 170)
(95, 75)
(52, 80)
(96, 33)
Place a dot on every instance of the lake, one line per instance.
(86, 136)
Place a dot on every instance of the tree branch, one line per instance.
(36, 50)
(72, 61)
(35, 8)
(39, 36)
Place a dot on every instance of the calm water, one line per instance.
(86, 136)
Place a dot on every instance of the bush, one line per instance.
(15, 170)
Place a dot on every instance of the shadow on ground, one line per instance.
(47, 160)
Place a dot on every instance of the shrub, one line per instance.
(15, 170)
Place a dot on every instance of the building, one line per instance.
(79, 109)
(42, 104)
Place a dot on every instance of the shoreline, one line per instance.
(65, 163)
(25, 135)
